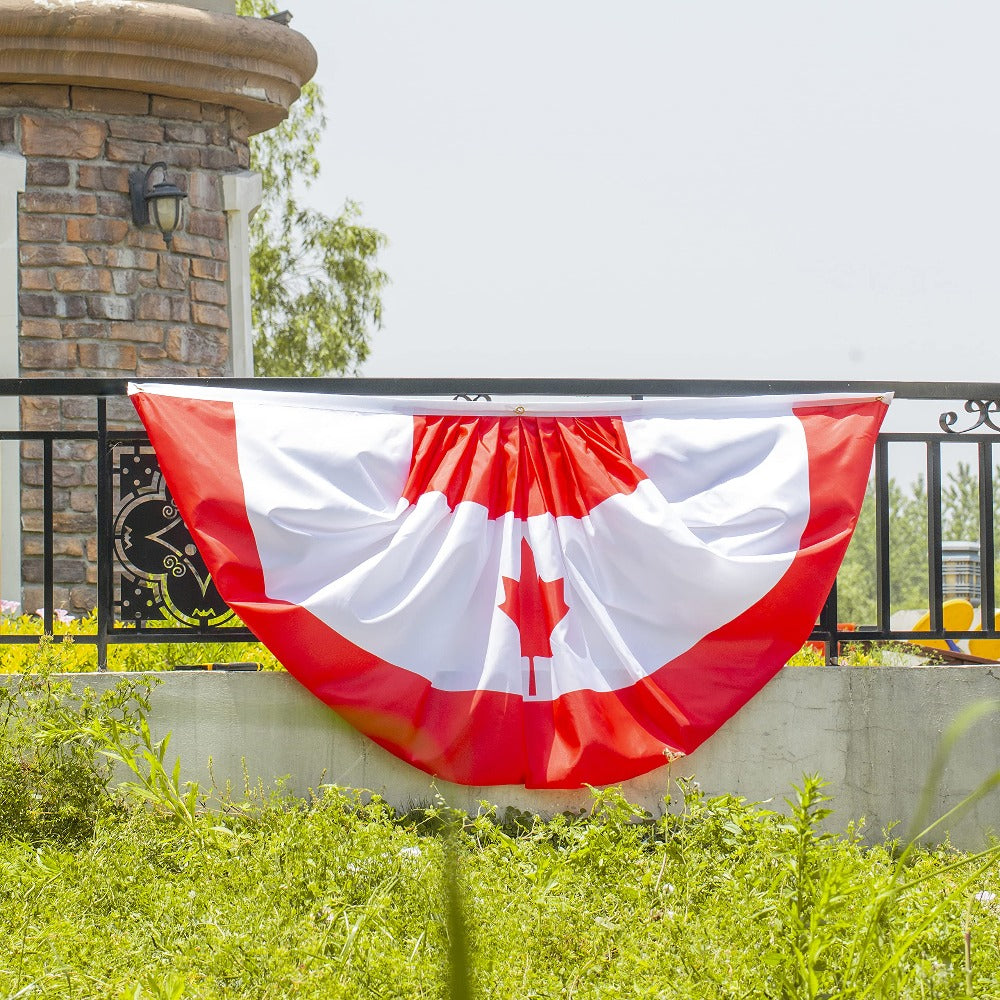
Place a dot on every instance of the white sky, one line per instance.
(668, 189)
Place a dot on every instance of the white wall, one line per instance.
(12, 179)
(871, 731)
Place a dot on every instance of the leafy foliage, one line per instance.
(315, 284)
(53, 779)
(856, 583)
(960, 503)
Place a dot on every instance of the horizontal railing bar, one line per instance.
(515, 386)
(129, 636)
(19, 639)
(153, 637)
(865, 633)
(114, 437)
(128, 437)
(918, 437)
(893, 437)
(134, 637)
(48, 435)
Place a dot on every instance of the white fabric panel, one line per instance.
(741, 485)
(646, 576)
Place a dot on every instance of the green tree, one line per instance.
(908, 541)
(960, 503)
(315, 285)
(857, 581)
(960, 509)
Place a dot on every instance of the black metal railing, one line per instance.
(152, 587)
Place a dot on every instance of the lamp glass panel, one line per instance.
(166, 212)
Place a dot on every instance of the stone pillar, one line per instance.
(241, 196)
(91, 90)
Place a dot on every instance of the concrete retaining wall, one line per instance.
(872, 732)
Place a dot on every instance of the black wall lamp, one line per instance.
(159, 203)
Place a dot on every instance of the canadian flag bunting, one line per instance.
(546, 594)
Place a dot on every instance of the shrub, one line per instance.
(53, 777)
(82, 657)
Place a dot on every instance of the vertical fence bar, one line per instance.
(828, 622)
(987, 590)
(48, 539)
(935, 575)
(882, 573)
(105, 558)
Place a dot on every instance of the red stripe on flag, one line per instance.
(200, 481)
(565, 466)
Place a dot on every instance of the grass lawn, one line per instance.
(157, 888)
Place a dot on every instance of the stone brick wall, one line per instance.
(98, 296)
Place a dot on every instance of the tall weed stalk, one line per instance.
(133, 747)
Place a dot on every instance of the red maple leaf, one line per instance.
(535, 606)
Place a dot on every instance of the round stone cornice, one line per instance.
(256, 66)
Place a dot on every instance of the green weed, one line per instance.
(53, 781)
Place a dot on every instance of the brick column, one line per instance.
(97, 294)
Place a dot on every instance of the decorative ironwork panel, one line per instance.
(984, 409)
(159, 573)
